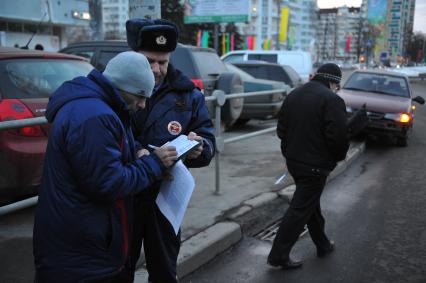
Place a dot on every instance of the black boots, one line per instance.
(285, 264)
(324, 252)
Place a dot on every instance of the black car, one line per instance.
(271, 71)
(202, 65)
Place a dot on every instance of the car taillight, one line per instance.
(198, 83)
(13, 109)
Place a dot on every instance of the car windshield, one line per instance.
(37, 78)
(378, 83)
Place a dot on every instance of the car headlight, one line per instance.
(399, 117)
(349, 109)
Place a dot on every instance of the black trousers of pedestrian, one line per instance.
(161, 244)
(305, 209)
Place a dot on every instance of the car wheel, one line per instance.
(402, 141)
(231, 111)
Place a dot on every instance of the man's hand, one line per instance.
(199, 149)
(142, 152)
(167, 155)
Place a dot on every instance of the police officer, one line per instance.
(313, 132)
(176, 107)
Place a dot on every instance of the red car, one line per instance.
(27, 79)
(389, 102)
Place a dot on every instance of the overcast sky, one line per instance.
(419, 17)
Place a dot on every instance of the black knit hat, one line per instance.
(151, 35)
(329, 72)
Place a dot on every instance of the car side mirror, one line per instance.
(419, 100)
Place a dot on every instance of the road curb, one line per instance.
(204, 246)
(201, 248)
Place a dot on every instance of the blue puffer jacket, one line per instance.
(83, 218)
(176, 103)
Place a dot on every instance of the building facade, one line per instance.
(45, 21)
(400, 21)
(264, 24)
(115, 13)
(389, 28)
(339, 33)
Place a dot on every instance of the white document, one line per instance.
(174, 195)
(182, 144)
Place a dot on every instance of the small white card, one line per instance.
(183, 145)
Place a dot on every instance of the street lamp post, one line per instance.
(361, 21)
(325, 35)
(368, 46)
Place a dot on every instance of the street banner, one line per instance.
(199, 33)
(348, 44)
(284, 24)
(216, 11)
(205, 39)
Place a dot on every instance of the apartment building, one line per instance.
(264, 23)
(400, 20)
(46, 21)
(339, 33)
(115, 13)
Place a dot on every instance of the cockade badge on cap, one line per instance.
(161, 40)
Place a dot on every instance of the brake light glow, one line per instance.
(14, 109)
(198, 83)
(405, 118)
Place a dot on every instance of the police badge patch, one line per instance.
(161, 40)
(174, 128)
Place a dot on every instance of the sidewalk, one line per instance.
(247, 182)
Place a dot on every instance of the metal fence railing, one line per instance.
(218, 98)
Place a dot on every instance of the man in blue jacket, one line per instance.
(176, 107)
(84, 218)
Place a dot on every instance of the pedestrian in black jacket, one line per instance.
(313, 132)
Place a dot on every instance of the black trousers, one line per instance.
(161, 244)
(305, 209)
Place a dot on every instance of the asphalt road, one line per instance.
(375, 212)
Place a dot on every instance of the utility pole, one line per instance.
(95, 24)
(325, 38)
(145, 9)
(358, 51)
(277, 45)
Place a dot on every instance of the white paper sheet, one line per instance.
(174, 195)
(182, 144)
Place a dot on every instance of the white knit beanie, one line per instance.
(130, 71)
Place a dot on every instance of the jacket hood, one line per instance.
(95, 85)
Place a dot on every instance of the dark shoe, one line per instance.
(325, 252)
(288, 264)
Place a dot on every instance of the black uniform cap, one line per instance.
(151, 35)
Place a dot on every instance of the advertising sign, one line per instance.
(376, 15)
(216, 11)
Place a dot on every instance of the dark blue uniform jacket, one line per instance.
(83, 218)
(176, 100)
